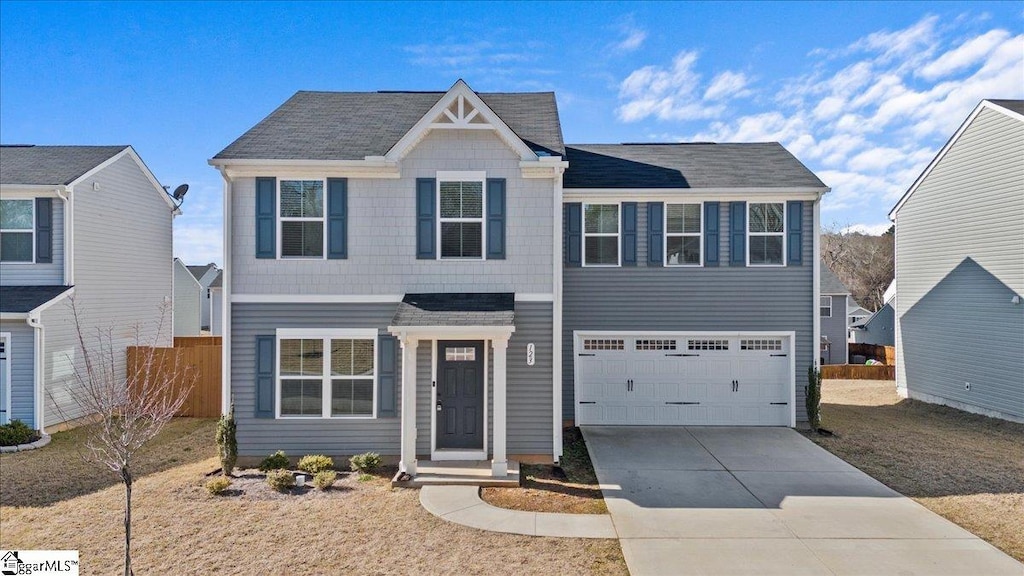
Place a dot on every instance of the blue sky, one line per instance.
(863, 93)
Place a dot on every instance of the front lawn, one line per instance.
(49, 499)
(965, 467)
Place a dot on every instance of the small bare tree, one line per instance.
(124, 408)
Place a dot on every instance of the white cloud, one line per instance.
(869, 229)
(726, 85)
(634, 39)
(970, 52)
(198, 244)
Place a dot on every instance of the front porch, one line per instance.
(455, 473)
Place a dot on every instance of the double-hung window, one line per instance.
(302, 218)
(825, 307)
(329, 376)
(601, 234)
(17, 230)
(683, 235)
(766, 234)
(461, 211)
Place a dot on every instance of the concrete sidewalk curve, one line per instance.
(462, 505)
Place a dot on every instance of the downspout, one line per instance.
(556, 348)
(64, 193)
(225, 308)
(35, 321)
(816, 302)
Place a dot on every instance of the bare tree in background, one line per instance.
(124, 411)
(865, 263)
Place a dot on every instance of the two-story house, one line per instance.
(437, 275)
(66, 213)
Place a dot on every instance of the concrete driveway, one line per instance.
(709, 500)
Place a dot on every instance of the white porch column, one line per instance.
(499, 465)
(407, 463)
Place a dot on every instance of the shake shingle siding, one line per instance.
(959, 261)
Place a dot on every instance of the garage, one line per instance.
(694, 379)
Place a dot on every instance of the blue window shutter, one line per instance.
(737, 233)
(495, 218)
(629, 233)
(573, 234)
(337, 218)
(655, 233)
(265, 353)
(44, 230)
(426, 219)
(387, 376)
(266, 220)
(795, 231)
(711, 233)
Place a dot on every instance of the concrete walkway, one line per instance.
(767, 501)
(462, 505)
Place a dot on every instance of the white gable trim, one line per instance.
(130, 152)
(984, 105)
(460, 93)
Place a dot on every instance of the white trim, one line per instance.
(225, 308)
(279, 219)
(8, 351)
(584, 235)
(535, 296)
(816, 286)
(130, 152)
(452, 332)
(664, 227)
(340, 333)
(785, 232)
(316, 298)
(31, 190)
(557, 339)
(31, 230)
(4, 316)
(326, 378)
(465, 176)
(983, 105)
(683, 195)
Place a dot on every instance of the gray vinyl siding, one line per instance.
(959, 261)
(125, 291)
(216, 312)
(879, 330)
(528, 387)
(32, 274)
(382, 225)
(188, 299)
(835, 329)
(719, 298)
(21, 355)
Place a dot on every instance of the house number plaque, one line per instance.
(531, 354)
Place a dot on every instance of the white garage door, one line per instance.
(679, 379)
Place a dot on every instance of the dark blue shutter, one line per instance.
(426, 219)
(737, 233)
(573, 234)
(629, 233)
(337, 218)
(387, 376)
(44, 230)
(265, 353)
(655, 233)
(795, 230)
(266, 221)
(496, 219)
(711, 233)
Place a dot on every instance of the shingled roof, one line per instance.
(1012, 105)
(830, 283)
(456, 309)
(50, 165)
(699, 165)
(354, 125)
(23, 299)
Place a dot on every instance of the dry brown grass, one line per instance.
(572, 489)
(52, 500)
(965, 467)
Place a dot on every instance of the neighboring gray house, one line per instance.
(960, 269)
(66, 213)
(188, 301)
(217, 305)
(880, 327)
(205, 275)
(834, 301)
(436, 275)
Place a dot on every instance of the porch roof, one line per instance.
(456, 309)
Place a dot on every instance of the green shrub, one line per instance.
(218, 486)
(227, 443)
(16, 432)
(365, 477)
(367, 462)
(812, 396)
(324, 479)
(276, 461)
(281, 480)
(315, 463)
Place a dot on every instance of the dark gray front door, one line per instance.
(460, 394)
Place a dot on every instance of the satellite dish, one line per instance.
(180, 191)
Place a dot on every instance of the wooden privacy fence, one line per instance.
(857, 372)
(205, 374)
(189, 341)
(884, 354)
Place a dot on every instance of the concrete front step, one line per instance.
(458, 473)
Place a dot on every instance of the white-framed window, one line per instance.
(825, 306)
(766, 234)
(326, 373)
(684, 245)
(17, 230)
(301, 224)
(460, 208)
(601, 235)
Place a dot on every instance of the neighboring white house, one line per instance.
(960, 269)
(217, 304)
(188, 301)
(205, 274)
